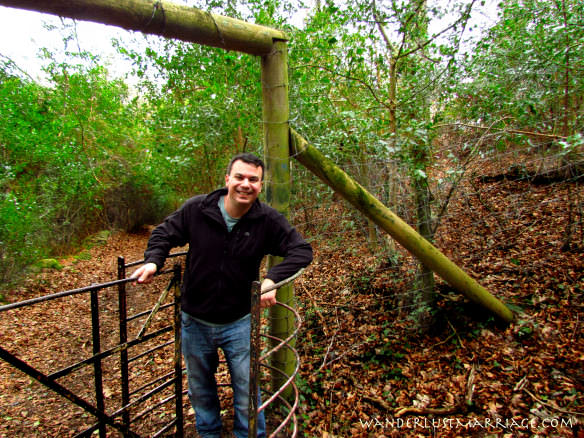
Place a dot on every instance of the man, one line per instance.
(229, 231)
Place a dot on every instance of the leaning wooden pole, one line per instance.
(276, 146)
(428, 254)
(165, 19)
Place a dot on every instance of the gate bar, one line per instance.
(71, 292)
(66, 293)
(106, 353)
(254, 360)
(61, 390)
(123, 320)
(97, 371)
(178, 376)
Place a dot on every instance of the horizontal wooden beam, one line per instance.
(165, 19)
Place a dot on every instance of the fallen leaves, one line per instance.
(362, 359)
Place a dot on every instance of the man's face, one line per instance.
(244, 183)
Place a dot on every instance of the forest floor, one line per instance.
(366, 370)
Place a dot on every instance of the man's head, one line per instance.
(244, 183)
(249, 159)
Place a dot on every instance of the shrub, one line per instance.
(22, 232)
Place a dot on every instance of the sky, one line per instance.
(22, 35)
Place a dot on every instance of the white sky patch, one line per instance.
(23, 34)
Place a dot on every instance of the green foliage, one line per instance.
(362, 282)
(526, 72)
(46, 264)
(70, 151)
(385, 357)
(22, 231)
(84, 255)
(368, 84)
(204, 106)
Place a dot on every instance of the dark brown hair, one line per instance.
(249, 159)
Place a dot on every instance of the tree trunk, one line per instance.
(364, 171)
(425, 296)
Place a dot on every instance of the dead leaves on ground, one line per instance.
(365, 371)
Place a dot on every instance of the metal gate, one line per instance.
(137, 403)
(119, 417)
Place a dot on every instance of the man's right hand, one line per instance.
(145, 273)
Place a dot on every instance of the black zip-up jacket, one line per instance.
(222, 265)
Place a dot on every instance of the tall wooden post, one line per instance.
(277, 185)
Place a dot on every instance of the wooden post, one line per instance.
(428, 254)
(165, 19)
(277, 184)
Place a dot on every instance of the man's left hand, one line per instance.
(268, 299)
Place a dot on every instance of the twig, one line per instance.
(511, 131)
(377, 401)
(462, 406)
(428, 411)
(555, 408)
(331, 344)
(350, 350)
(455, 332)
(155, 309)
(371, 399)
(470, 386)
(352, 78)
(520, 384)
(13, 64)
(443, 342)
(327, 352)
(322, 320)
(457, 181)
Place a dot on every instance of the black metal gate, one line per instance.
(120, 417)
(137, 403)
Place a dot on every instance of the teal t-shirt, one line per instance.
(229, 221)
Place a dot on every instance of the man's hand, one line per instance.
(268, 299)
(145, 273)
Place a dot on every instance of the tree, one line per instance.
(71, 160)
(204, 106)
(526, 72)
(387, 69)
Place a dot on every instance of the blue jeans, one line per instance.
(200, 343)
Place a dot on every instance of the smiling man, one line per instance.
(244, 184)
(229, 231)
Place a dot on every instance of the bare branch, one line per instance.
(510, 131)
(352, 78)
